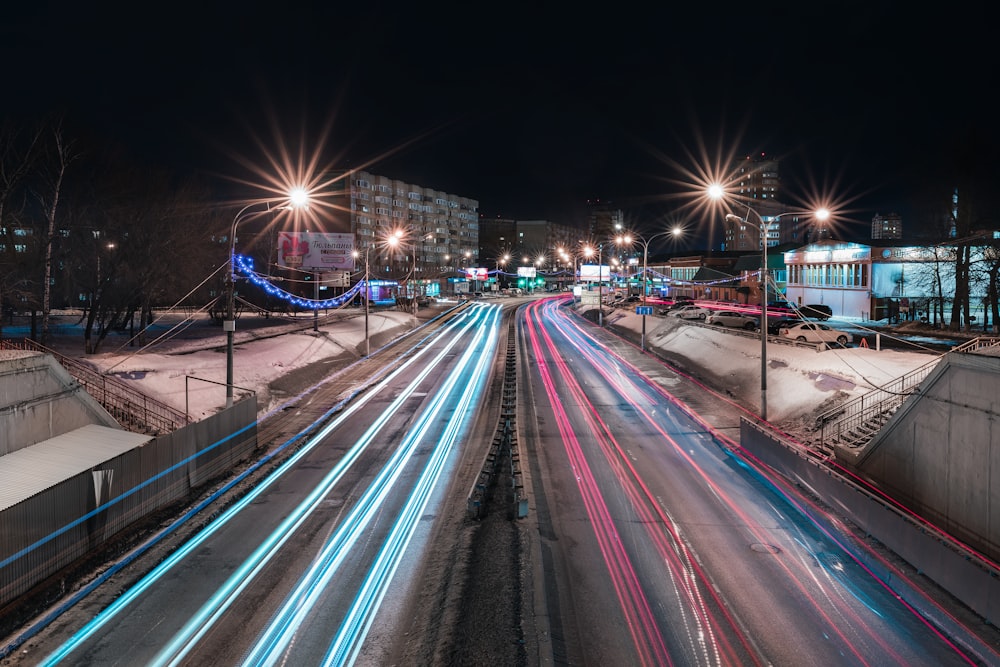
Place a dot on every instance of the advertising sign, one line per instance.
(477, 273)
(315, 252)
(526, 272)
(591, 272)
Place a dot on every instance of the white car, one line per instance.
(732, 318)
(814, 332)
(690, 313)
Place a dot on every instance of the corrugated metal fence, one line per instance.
(53, 528)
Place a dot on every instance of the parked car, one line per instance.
(820, 311)
(732, 318)
(775, 324)
(632, 298)
(690, 313)
(814, 332)
(679, 304)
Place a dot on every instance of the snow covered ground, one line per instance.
(189, 373)
(801, 381)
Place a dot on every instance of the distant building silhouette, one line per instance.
(887, 226)
(605, 220)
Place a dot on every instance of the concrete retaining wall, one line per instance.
(956, 569)
(939, 454)
(39, 400)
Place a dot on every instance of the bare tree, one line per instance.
(992, 260)
(58, 157)
(972, 170)
(19, 152)
(145, 240)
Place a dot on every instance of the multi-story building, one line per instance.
(441, 228)
(801, 228)
(756, 181)
(410, 238)
(887, 227)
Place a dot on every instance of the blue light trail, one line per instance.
(183, 642)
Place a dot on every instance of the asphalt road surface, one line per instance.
(660, 545)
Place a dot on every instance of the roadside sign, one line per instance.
(643, 310)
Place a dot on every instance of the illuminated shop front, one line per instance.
(835, 273)
(883, 282)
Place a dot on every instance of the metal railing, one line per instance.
(132, 409)
(847, 423)
(978, 344)
(856, 422)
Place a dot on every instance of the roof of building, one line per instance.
(748, 263)
(708, 273)
(31, 470)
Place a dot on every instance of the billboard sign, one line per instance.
(315, 252)
(477, 273)
(591, 272)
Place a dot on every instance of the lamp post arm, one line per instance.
(230, 323)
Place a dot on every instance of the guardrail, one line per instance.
(502, 460)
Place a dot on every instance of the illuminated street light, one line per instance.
(502, 266)
(297, 198)
(628, 239)
(395, 240)
(589, 252)
(717, 192)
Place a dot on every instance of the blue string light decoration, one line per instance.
(244, 265)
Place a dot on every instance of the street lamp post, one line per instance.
(600, 285)
(413, 279)
(762, 228)
(316, 275)
(502, 267)
(627, 238)
(716, 192)
(229, 325)
(395, 240)
(297, 198)
(540, 267)
(467, 261)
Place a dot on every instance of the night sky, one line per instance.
(531, 111)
